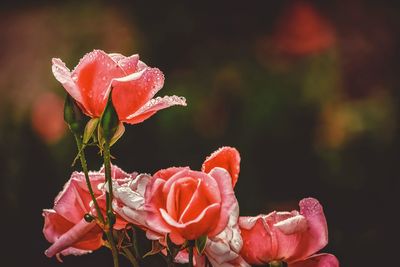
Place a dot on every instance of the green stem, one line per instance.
(86, 172)
(135, 244)
(107, 168)
(114, 250)
(168, 259)
(129, 255)
(109, 197)
(190, 255)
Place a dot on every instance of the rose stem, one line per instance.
(109, 197)
(130, 257)
(190, 254)
(85, 171)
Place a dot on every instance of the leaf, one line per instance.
(156, 247)
(200, 244)
(118, 134)
(172, 248)
(89, 129)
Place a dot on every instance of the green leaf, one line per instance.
(201, 244)
(89, 129)
(172, 248)
(156, 247)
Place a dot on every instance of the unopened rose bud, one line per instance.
(109, 121)
(73, 116)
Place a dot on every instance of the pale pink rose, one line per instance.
(188, 204)
(292, 237)
(129, 199)
(223, 249)
(64, 225)
(134, 85)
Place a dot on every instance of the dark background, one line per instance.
(308, 91)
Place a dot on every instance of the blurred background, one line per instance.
(308, 91)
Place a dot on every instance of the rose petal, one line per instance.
(64, 76)
(258, 245)
(154, 200)
(292, 225)
(228, 199)
(169, 172)
(193, 229)
(129, 64)
(152, 106)
(73, 202)
(316, 235)
(130, 96)
(199, 201)
(54, 225)
(94, 75)
(227, 158)
(223, 249)
(179, 196)
(72, 236)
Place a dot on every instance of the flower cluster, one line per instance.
(190, 216)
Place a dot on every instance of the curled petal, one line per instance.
(131, 93)
(74, 235)
(316, 235)
(227, 158)
(64, 76)
(54, 225)
(152, 106)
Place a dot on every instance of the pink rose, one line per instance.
(189, 204)
(134, 85)
(222, 249)
(64, 225)
(292, 237)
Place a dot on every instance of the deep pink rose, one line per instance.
(134, 85)
(292, 237)
(188, 204)
(64, 225)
